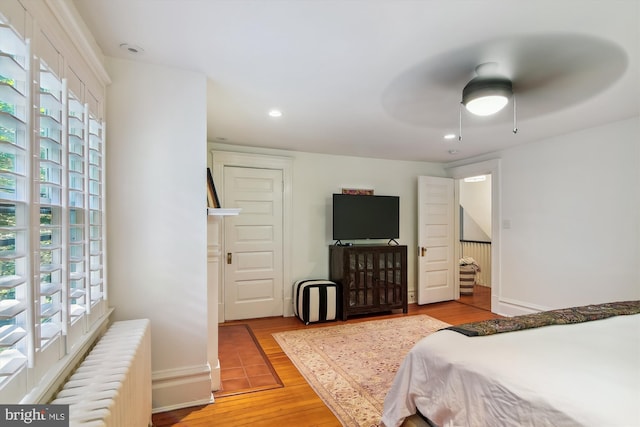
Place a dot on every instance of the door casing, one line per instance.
(492, 167)
(220, 159)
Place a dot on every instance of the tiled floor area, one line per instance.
(243, 365)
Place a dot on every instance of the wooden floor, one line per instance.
(481, 297)
(295, 404)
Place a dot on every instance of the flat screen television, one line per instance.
(357, 217)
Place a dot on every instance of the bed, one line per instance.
(570, 371)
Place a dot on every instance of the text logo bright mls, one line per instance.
(34, 415)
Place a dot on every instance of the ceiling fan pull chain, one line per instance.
(515, 123)
(460, 124)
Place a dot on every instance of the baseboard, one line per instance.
(183, 405)
(510, 307)
(216, 381)
(288, 307)
(411, 297)
(181, 388)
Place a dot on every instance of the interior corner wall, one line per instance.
(573, 206)
(317, 176)
(156, 220)
(475, 197)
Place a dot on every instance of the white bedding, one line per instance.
(585, 374)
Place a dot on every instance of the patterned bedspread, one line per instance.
(561, 316)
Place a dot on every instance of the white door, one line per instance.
(253, 273)
(436, 240)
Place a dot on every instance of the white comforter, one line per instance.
(585, 374)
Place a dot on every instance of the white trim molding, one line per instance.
(214, 225)
(181, 388)
(511, 307)
(488, 167)
(69, 19)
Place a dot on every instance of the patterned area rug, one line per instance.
(351, 366)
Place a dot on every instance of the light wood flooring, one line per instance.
(481, 297)
(295, 404)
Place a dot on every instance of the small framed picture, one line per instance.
(358, 191)
(212, 194)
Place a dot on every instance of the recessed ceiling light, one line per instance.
(275, 113)
(450, 136)
(132, 49)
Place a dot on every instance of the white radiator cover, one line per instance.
(112, 385)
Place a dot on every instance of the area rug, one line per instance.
(351, 366)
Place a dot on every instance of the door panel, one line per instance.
(254, 290)
(437, 279)
(253, 241)
(436, 240)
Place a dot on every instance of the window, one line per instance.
(14, 206)
(52, 288)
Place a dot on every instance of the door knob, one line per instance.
(423, 251)
(229, 257)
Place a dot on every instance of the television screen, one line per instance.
(365, 217)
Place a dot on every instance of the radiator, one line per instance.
(481, 252)
(112, 385)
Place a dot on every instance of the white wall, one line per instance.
(475, 198)
(317, 176)
(156, 219)
(573, 202)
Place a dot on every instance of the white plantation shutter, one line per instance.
(48, 278)
(15, 322)
(77, 212)
(52, 245)
(96, 249)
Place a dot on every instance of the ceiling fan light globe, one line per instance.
(484, 96)
(486, 105)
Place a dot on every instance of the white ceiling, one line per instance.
(384, 79)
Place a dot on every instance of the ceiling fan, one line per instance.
(548, 72)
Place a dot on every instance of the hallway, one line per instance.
(481, 298)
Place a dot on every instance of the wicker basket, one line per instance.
(467, 279)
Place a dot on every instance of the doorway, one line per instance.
(253, 285)
(492, 168)
(475, 240)
(249, 168)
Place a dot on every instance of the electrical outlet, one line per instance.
(411, 297)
